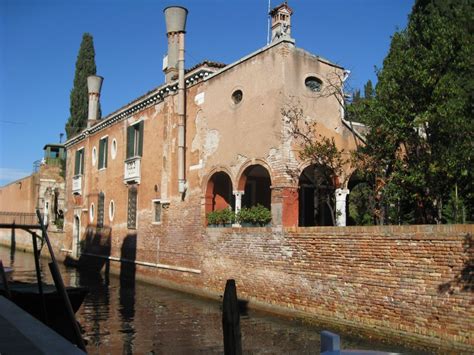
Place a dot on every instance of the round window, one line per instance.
(91, 213)
(237, 96)
(111, 210)
(313, 83)
(94, 156)
(114, 148)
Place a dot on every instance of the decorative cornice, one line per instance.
(152, 98)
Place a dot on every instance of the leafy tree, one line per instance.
(85, 66)
(421, 139)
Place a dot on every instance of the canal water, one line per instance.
(122, 316)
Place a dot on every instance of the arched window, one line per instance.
(316, 197)
(255, 181)
(219, 192)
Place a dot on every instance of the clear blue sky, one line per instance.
(40, 39)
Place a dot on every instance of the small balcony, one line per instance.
(77, 185)
(132, 170)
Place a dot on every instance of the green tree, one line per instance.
(421, 139)
(369, 91)
(356, 107)
(85, 66)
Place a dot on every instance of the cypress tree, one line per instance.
(85, 66)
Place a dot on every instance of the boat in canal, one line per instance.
(54, 305)
(47, 306)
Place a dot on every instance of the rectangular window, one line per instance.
(79, 162)
(100, 210)
(132, 208)
(157, 211)
(103, 148)
(135, 140)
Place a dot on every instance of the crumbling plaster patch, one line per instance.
(211, 142)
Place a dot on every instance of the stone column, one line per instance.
(238, 203)
(341, 195)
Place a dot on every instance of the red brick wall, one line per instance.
(400, 279)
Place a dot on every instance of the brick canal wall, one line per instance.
(411, 280)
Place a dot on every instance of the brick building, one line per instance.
(211, 137)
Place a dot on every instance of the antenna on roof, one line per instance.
(268, 22)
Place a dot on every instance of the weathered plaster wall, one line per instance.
(20, 196)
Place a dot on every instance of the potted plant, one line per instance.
(255, 216)
(223, 217)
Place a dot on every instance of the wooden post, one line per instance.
(60, 285)
(38, 279)
(5, 281)
(231, 320)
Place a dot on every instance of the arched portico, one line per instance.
(255, 183)
(219, 193)
(316, 197)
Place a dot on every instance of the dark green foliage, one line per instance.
(221, 217)
(369, 91)
(361, 205)
(256, 215)
(421, 140)
(85, 66)
(355, 110)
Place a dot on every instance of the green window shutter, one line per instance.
(76, 163)
(106, 150)
(140, 139)
(130, 139)
(101, 154)
(82, 162)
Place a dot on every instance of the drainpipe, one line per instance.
(175, 17)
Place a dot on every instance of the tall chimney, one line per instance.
(94, 83)
(175, 17)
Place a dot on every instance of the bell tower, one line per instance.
(281, 21)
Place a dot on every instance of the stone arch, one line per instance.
(316, 197)
(219, 191)
(217, 169)
(241, 177)
(255, 181)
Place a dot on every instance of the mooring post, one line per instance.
(38, 278)
(231, 320)
(5, 281)
(330, 343)
(58, 281)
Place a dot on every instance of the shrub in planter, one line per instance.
(256, 215)
(212, 218)
(223, 217)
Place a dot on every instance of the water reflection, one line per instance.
(127, 292)
(123, 315)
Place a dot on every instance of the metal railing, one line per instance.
(19, 218)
